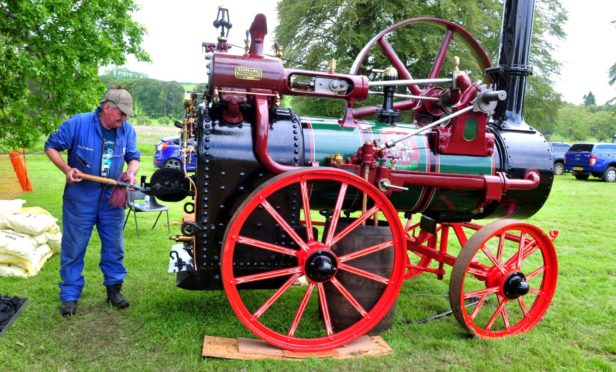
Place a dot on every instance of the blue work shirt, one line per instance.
(82, 137)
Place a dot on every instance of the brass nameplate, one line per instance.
(248, 73)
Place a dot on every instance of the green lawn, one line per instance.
(164, 326)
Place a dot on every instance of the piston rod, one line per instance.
(408, 82)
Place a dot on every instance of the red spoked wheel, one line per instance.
(504, 279)
(300, 318)
(451, 30)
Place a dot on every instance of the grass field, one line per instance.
(164, 326)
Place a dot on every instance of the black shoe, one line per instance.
(115, 296)
(69, 308)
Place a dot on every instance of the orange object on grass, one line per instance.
(19, 165)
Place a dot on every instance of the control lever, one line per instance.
(385, 185)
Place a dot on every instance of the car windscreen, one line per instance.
(581, 147)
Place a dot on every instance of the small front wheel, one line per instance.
(504, 279)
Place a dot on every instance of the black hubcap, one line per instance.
(321, 266)
(516, 285)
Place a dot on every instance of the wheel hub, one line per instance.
(321, 265)
(515, 285)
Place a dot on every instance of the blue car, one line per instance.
(559, 149)
(167, 154)
(597, 159)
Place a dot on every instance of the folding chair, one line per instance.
(140, 202)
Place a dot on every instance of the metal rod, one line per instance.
(408, 96)
(247, 93)
(407, 82)
(390, 144)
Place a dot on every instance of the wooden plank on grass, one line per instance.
(251, 349)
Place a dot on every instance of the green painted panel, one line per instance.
(324, 137)
(470, 129)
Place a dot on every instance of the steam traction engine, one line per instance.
(352, 207)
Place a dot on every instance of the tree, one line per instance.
(313, 32)
(50, 53)
(122, 72)
(589, 99)
(172, 98)
(151, 97)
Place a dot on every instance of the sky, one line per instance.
(175, 31)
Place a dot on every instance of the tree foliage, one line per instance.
(153, 98)
(314, 32)
(589, 99)
(586, 123)
(50, 53)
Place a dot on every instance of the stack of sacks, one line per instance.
(28, 237)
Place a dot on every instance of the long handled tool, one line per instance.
(109, 181)
(118, 196)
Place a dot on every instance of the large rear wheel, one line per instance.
(300, 318)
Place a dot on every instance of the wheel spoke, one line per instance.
(336, 215)
(480, 303)
(354, 224)
(363, 273)
(494, 260)
(481, 292)
(306, 205)
(267, 275)
(521, 250)
(288, 229)
(523, 305)
(535, 291)
(366, 251)
(440, 56)
(301, 309)
(349, 297)
(267, 246)
(478, 270)
(504, 313)
(324, 309)
(497, 312)
(276, 295)
(501, 246)
(536, 272)
(460, 234)
(530, 249)
(397, 63)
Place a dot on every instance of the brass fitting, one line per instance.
(336, 159)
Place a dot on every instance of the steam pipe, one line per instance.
(261, 138)
(512, 70)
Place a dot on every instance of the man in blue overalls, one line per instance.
(98, 143)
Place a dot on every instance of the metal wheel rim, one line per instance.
(173, 164)
(559, 169)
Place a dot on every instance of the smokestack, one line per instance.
(512, 70)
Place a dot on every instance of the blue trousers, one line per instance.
(79, 216)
